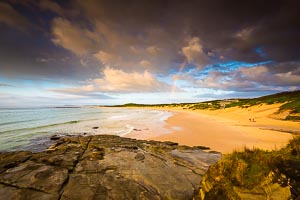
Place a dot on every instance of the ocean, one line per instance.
(31, 128)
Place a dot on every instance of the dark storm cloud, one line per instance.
(10, 17)
(237, 27)
(77, 39)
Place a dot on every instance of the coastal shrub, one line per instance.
(294, 106)
(291, 102)
(247, 168)
(252, 170)
(293, 118)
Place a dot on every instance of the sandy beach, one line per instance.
(229, 129)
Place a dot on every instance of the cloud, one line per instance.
(131, 32)
(146, 64)
(115, 80)
(61, 99)
(245, 33)
(103, 34)
(217, 94)
(113, 45)
(82, 91)
(137, 23)
(194, 52)
(45, 60)
(153, 50)
(107, 58)
(72, 37)
(10, 17)
(288, 79)
(265, 76)
(217, 80)
(251, 79)
(151, 39)
(51, 6)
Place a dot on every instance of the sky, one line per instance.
(103, 52)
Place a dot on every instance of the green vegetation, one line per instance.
(144, 105)
(290, 102)
(253, 170)
(293, 118)
(293, 105)
(211, 105)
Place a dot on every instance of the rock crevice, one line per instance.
(104, 167)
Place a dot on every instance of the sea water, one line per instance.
(31, 128)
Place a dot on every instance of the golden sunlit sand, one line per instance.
(229, 129)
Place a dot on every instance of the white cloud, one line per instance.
(115, 80)
(118, 81)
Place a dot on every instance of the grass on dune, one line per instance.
(252, 168)
(290, 102)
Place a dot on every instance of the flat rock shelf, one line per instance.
(104, 167)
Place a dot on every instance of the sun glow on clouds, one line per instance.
(102, 52)
(250, 79)
(118, 81)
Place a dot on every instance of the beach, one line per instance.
(222, 130)
(229, 129)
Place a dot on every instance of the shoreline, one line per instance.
(226, 130)
(223, 130)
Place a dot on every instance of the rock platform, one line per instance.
(104, 167)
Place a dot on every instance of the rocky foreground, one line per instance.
(104, 167)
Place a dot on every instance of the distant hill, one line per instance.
(291, 100)
(290, 103)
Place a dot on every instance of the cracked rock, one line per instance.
(104, 167)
